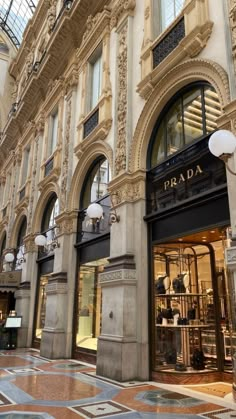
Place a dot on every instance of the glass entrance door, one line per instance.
(89, 304)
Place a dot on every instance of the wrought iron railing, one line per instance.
(168, 43)
(91, 123)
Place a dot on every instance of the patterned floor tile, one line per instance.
(127, 384)
(98, 410)
(58, 387)
(221, 414)
(13, 361)
(25, 415)
(214, 389)
(23, 370)
(4, 401)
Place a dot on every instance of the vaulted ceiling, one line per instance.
(14, 15)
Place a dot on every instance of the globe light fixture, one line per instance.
(9, 257)
(95, 211)
(40, 240)
(222, 144)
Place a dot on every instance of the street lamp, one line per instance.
(222, 144)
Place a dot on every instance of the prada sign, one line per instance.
(10, 279)
(183, 177)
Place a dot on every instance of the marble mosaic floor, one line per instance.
(35, 388)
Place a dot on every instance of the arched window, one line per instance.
(48, 222)
(165, 12)
(189, 116)
(50, 213)
(20, 250)
(96, 182)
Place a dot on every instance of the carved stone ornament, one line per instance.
(71, 81)
(56, 288)
(67, 222)
(65, 158)
(51, 15)
(90, 24)
(120, 159)
(120, 9)
(30, 245)
(232, 20)
(124, 275)
(29, 63)
(128, 188)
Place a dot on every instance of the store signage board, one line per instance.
(13, 322)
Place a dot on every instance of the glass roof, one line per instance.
(14, 15)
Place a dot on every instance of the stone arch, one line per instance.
(16, 228)
(86, 159)
(41, 204)
(182, 75)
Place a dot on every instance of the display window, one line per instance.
(89, 303)
(41, 308)
(192, 323)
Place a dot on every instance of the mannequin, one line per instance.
(178, 284)
(186, 281)
(162, 284)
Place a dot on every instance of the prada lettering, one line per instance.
(182, 177)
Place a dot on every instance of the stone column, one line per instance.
(57, 334)
(117, 355)
(53, 334)
(123, 344)
(22, 296)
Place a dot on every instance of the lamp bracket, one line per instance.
(113, 217)
(225, 158)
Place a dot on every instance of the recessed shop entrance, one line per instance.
(191, 314)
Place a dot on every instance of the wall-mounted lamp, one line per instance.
(222, 144)
(68, 4)
(15, 257)
(40, 240)
(95, 212)
(9, 257)
(48, 241)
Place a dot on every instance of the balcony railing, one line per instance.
(168, 43)
(91, 123)
(22, 194)
(48, 167)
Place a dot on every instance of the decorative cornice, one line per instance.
(230, 254)
(67, 222)
(120, 276)
(95, 28)
(56, 288)
(30, 245)
(128, 187)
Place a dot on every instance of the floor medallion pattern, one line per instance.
(32, 387)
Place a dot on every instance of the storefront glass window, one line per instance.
(187, 118)
(41, 312)
(89, 302)
(20, 245)
(192, 327)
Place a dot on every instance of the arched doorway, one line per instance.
(188, 219)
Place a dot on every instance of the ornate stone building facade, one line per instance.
(113, 102)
